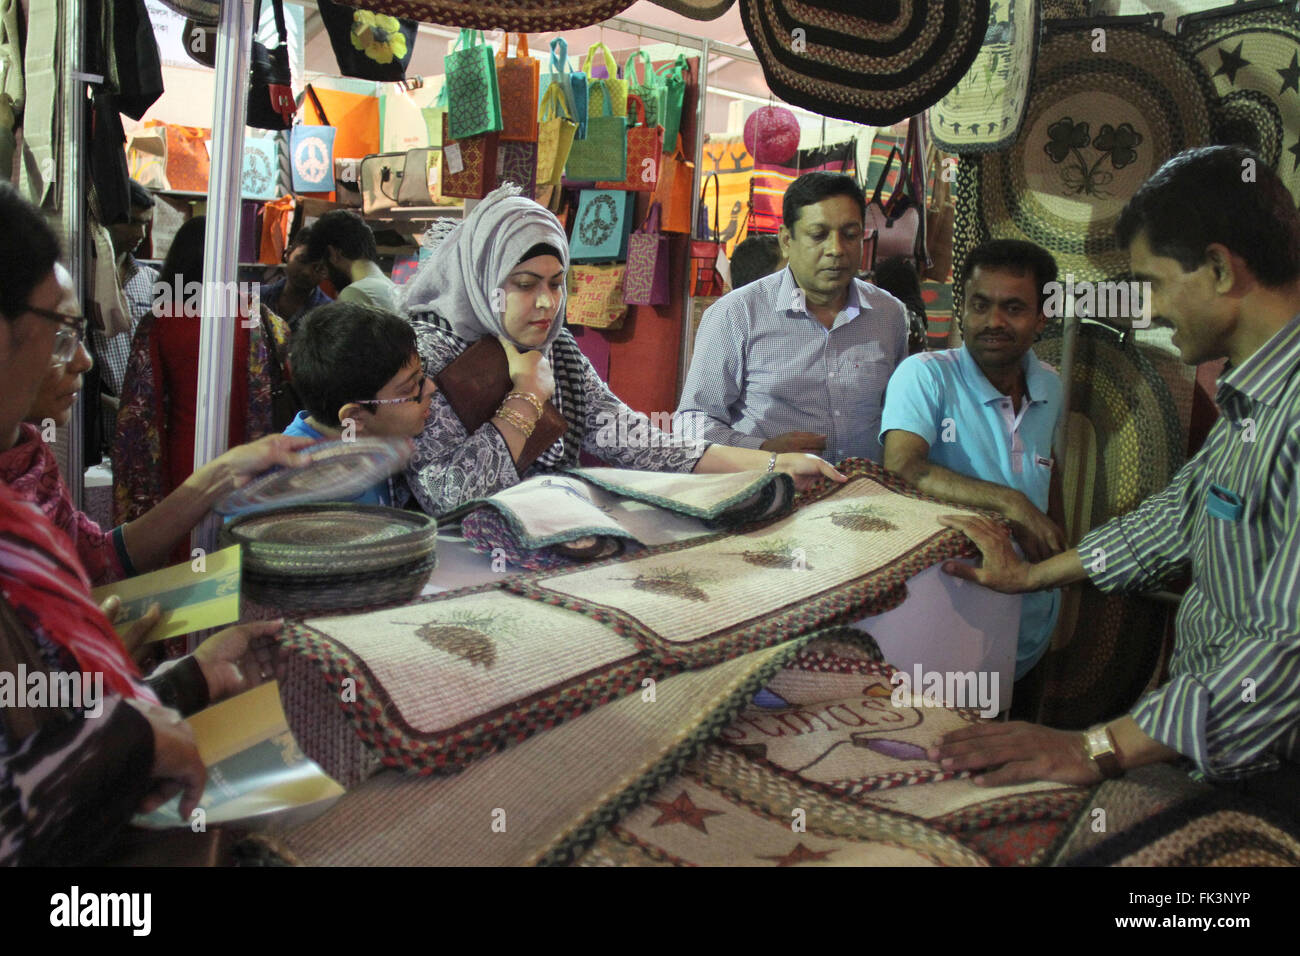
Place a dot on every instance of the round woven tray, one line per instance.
(331, 541)
(294, 594)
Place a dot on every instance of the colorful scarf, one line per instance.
(45, 585)
(31, 472)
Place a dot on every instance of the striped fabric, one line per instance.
(771, 181)
(112, 353)
(1231, 703)
(886, 139)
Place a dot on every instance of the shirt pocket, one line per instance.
(863, 370)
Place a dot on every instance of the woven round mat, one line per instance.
(1102, 667)
(983, 112)
(294, 594)
(1255, 51)
(1252, 119)
(1098, 124)
(335, 471)
(874, 64)
(325, 541)
(517, 16)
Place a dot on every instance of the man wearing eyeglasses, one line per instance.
(358, 372)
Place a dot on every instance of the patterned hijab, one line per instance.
(466, 275)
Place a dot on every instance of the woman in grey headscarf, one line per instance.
(501, 273)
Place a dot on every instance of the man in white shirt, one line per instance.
(344, 243)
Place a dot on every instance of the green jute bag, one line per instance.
(653, 92)
(674, 76)
(473, 98)
(603, 154)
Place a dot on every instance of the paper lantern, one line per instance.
(771, 134)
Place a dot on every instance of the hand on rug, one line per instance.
(1017, 752)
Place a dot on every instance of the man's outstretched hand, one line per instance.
(1016, 752)
(1001, 568)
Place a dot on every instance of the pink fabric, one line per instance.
(32, 474)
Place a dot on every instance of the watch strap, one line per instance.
(1100, 747)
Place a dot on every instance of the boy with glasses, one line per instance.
(359, 374)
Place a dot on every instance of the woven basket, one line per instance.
(334, 556)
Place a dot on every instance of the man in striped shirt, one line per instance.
(798, 360)
(1216, 234)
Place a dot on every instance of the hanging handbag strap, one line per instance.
(717, 200)
(647, 69)
(521, 48)
(559, 57)
(392, 178)
(651, 224)
(277, 8)
(315, 102)
(884, 175)
(611, 65)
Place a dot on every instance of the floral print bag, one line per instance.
(368, 45)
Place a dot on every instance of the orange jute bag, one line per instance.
(675, 190)
(187, 156)
(276, 217)
(517, 85)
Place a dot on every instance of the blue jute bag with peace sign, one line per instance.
(311, 154)
(601, 227)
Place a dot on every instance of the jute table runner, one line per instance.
(432, 686)
(844, 554)
(546, 798)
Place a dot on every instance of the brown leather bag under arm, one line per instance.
(476, 383)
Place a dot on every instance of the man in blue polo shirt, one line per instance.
(974, 425)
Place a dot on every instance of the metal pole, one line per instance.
(686, 347)
(221, 251)
(72, 198)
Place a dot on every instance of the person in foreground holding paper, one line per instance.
(1225, 274)
(97, 743)
(533, 402)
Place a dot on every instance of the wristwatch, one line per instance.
(1099, 745)
(771, 463)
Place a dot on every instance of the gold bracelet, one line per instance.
(514, 418)
(505, 410)
(528, 397)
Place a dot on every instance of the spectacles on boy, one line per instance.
(417, 397)
(72, 332)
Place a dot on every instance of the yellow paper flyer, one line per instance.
(195, 596)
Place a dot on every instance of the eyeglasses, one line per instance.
(417, 397)
(72, 332)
